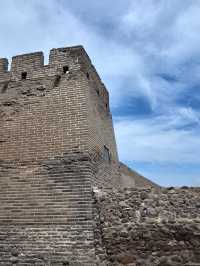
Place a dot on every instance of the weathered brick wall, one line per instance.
(146, 227)
(46, 215)
(101, 132)
(130, 178)
(43, 115)
(49, 158)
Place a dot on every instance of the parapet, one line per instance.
(31, 66)
(75, 58)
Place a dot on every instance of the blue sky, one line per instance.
(148, 55)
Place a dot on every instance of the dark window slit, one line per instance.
(65, 69)
(24, 75)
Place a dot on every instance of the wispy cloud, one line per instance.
(171, 139)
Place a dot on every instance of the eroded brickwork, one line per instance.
(148, 227)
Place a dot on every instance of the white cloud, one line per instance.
(185, 34)
(166, 36)
(44, 25)
(161, 139)
(160, 36)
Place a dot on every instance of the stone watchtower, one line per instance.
(56, 142)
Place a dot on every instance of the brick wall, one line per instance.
(130, 178)
(43, 115)
(101, 138)
(101, 133)
(45, 213)
(53, 131)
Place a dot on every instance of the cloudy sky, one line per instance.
(148, 55)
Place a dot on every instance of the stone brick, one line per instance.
(162, 228)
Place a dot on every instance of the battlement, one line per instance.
(30, 61)
(61, 60)
(33, 63)
(59, 56)
(75, 58)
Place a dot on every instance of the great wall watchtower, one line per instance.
(61, 108)
(56, 143)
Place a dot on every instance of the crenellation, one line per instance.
(30, 61)
(23, 65)
(31, 66)
(66, 57)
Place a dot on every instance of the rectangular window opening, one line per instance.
(24, 75)
(65, 69)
